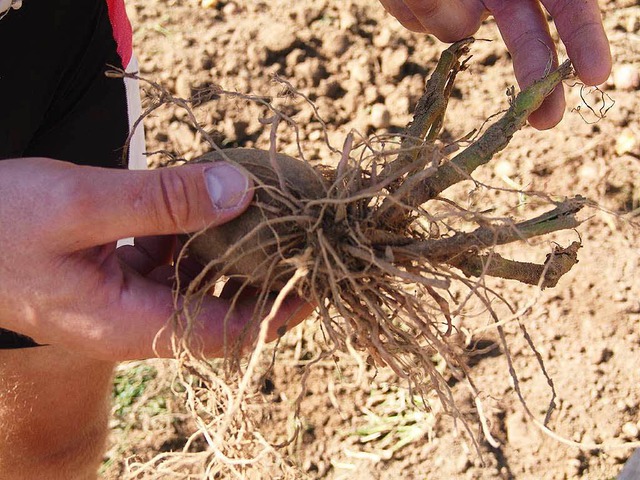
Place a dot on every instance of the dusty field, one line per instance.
(363, 71)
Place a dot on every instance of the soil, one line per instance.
(363, 71)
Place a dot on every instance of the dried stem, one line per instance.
(429, 112)
(496, 137)
(444, 249)
(493, 140)
(559, 262)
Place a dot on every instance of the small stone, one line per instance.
(380, 116)
(588, 172)
(336, 45)
(181, 136)
(574, 467)
(630, 431)
(309, 466)
(277, 36)
(210, 3)
(383, 39)
(311, 70)
(504, 168)
(626, 77)
(589, 440)
(371, 94)
(392, 61)
(230, 8)
(148, 65)
(295, 57)
(183, 86)
(322, 467)
(347, 21)
(462, 464)
(256, 55)
(627, 142)
(132, 13)
(520, 434)
(327, 109)
(361, 123)
(632, 24)
(619, 296)
(308, 12)
(398, 103)
(235, 130)
(360, 71)
(315, 135)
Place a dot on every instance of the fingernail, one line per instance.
(226, 184)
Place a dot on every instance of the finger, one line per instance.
(144, 329)
(167, 275)
(96, 206)
(449, 20)
(550, 112)
(189, 267)
(403, 14)
(235, 287)
(579, 25)
(525, 31)
(164, 275)
(158, 259)
(147, 253)
(295, 312)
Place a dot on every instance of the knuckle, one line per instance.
(172, 208)
(408, 20)
(427, 10)
(558, 8)
(411, 23)
(581, 33)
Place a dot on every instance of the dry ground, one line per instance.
(364, 71)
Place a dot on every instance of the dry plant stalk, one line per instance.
(359, 242)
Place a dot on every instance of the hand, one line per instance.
(525, 31)
(63, 282)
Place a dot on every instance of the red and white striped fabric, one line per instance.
(122, 31)
(123, 35)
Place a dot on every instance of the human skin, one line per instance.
(64, 283)
(62, 280)
(525, 31)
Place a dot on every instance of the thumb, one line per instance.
(114, 204)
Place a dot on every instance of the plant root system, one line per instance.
(379, 250)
